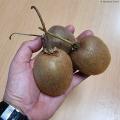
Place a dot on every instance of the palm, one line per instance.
(21, 84)
(33, 101)
(21, 89)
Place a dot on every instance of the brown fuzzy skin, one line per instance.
(64, 33)
(93, 56)
(53, 73)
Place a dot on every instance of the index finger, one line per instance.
(26, 50)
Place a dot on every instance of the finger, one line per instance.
(77, 79)
(24, 53)
(85, 33)
(71, 28)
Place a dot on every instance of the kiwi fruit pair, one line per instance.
(53, 67)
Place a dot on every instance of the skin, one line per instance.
(21, 90)
(49, 75)
(93, 56)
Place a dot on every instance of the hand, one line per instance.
(21, 90)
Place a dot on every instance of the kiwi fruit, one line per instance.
(63, 33)
(92, 57)
(49, 75)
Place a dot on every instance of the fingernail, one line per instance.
(88, 32)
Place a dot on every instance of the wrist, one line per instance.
(18, 108)
(9, 112)
(16, 103)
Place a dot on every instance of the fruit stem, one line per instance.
(40, 17)
(57, 36)
(47, 47)
(23, 34)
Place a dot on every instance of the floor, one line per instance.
(98, 97)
